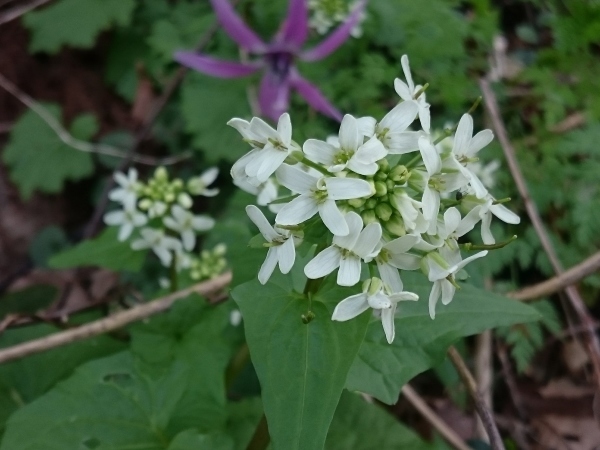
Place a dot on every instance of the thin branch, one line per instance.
(484, 412)
(434, 420)
(483, 365)
(112, 322)
(576, 301)
(78, 144)
(19, 10)
(559, 282)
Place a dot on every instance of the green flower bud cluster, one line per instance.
(210, 263)
(160, 189)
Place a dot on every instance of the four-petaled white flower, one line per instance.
(199, 185)
(351, 153)
(377, 296)
(127, 219)
(391, 130)
(187, 225)
(162, 245)
(465, 148)
(483, 211)
(318, 194)
(346, 252)
(394, 255)
(126, 193)
(407, 92)
(280, 242)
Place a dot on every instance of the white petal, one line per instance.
(390, 276)
(425, 116)
(202, 223)
(367, 240)
(401, 143)
(115, 217)
(436, 271)
(209, 176)
(346, 188)
(451, 221)
(284, 129)
(125, 231)
(402, 244)
(406, 261)
(171, 223)
(466, 261)
(263, 129)
(164, 255)
(464, 133)
(354, 224)
(121, 179)
(434, 296)
(400, 117)
(333, 218)
(371, 151)
(210, 192)
(366, 125)
(387, 321)
(431, 204)
(295, 179)
(430, 155)
(349, 273)
(479, 141)
(263, 225)
(404, 296)
(358, 167)
(189, 239)
(286, 254)
(406, 69)
(319, 151)
(486, 233)
(268, 266)
(468, 222)
(505, 214)
(350, 307)
(297, 211)
(379, 301)
(138, 219)
(350, 138)
(271, 163)
(447, 292)
(324, 263)
(402, 89)
(477, 185)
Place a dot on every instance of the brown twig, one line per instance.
(483, 366)
(559, 282)
(434, 420)
(484, 412)
(19, 10)
(113, 322)
(77, 144)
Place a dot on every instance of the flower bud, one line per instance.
(356, 202)
(368, 216)
(395, 225)
(400, 174)
(380, 176)
(161, 174)
(371, 203)
(184, 200)
(384, 211)
(390, 184)
(384, 165)
(145, 204)
(177, 184)
(380, 188)
(375, 286)
(295, 157)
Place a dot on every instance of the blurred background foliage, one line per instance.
(543, 54)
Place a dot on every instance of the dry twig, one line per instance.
(484, 412)
(112, 322)
(19, 10)
(436, 422)
(591, 340)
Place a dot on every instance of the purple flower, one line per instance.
(276, 58)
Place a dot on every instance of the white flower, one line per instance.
(408, 208)
(156, 208)
(128, 219)
(318, 194)
(407, 92)
(199, 185)
(351, 153)
(126, 193)
(346, 252)
(394, 255)
(486, 173)
(444, 264)
(464, 150)
(187, 225)
(265, 192)
(375, 296)
(483, 211)
(281, 245)
(163, 246)
(391, 130)
(263, 162)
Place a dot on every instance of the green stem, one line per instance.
(315, 166)
(173, 274)
(470, 246)
(413, 161)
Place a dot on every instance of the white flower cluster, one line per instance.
(391, 197)
(157, 213)
(325, 14)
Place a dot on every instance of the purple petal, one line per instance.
(213, 66)
(274, 95)
(314, 97)
(235, 27)
(295, 28)
(337, 38)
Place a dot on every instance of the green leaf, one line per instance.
(301, 367)
(125, 401)
(105, 250)
(75, 22)
(210, 133)
(39, 160)
(381, 369)
(359, 425)
(24, 380)
(191, 439)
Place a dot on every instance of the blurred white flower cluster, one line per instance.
(325, 14)
(157, 215)
(388, 196)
